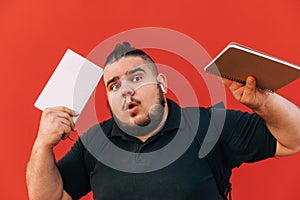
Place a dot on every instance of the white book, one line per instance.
(71, 85)
(236, 62)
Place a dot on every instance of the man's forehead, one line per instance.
(125, 65)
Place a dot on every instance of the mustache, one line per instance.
(131, 99)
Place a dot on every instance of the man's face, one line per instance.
(133, 92)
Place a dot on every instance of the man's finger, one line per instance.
(227, 82)
(69, 118)
(66, 122)
(66, 131)
(71, 112)
(232, 85)
(66, 113)
(250, 86)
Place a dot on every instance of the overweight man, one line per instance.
(144, 121)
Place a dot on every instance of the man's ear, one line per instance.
(162, 81)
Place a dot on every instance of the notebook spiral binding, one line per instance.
(241, 81)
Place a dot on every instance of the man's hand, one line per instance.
(56, 124)
(43, 178)
(280, 115)
(247, 94)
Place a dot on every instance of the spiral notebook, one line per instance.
(236, 62)
(71, 84)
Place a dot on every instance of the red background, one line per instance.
(35, 34)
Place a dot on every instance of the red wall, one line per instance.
(35, 34)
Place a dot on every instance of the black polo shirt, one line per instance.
(188, 177)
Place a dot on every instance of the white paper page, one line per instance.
(71, 84)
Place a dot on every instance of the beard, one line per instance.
(149, 120)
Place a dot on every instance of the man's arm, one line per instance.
(280, 115)
(43, 178)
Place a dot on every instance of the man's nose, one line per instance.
(127, 91)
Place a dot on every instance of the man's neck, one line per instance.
(158, 128)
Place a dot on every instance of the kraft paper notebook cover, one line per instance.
(71, 84)
(236, 62)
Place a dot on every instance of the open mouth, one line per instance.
(131, 106)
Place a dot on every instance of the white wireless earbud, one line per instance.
(162, 88)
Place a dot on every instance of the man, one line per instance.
(144, 121)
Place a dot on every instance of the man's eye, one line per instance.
(115, 86)
(137, 78)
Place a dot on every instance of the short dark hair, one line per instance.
(125, 50)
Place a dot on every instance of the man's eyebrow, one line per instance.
(111, 80)
(134, 70)
(127, 73)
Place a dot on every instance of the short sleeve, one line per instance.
(74, 172)
(246, 138)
